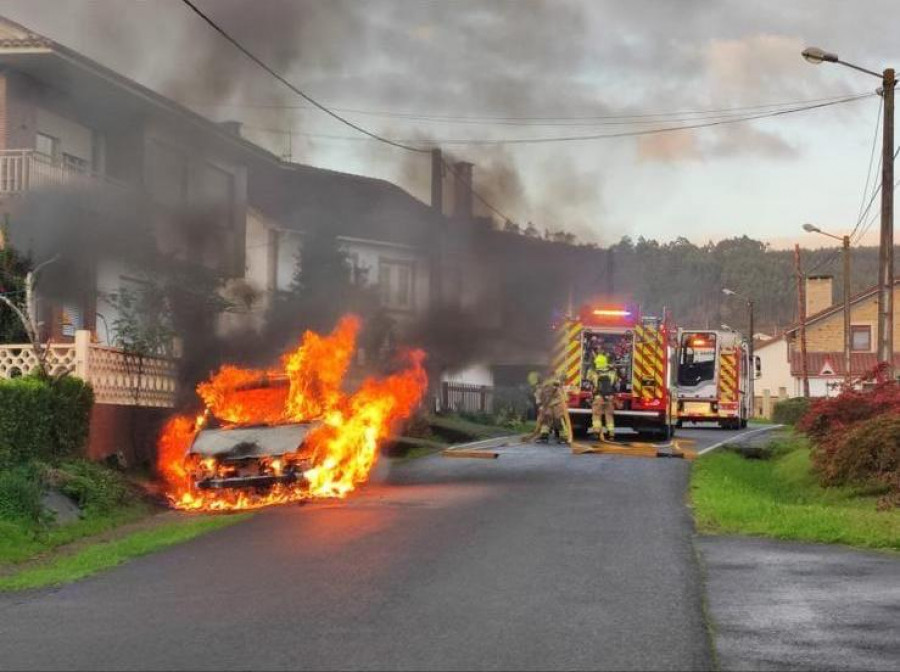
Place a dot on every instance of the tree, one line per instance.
(13, 269)
(326, 286)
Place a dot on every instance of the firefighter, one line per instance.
(554, 411)
(604, 380)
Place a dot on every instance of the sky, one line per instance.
(433, 72)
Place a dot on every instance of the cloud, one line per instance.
(669, 147)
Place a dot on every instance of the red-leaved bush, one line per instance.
(856, 437)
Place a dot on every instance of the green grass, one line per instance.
(100, 556)
(21, 540)
(454, 429)
(782, 498)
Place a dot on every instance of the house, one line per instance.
(389, 236)
(781, 360)
(69, 125)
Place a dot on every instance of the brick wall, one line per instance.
(131, 429)
(818, 293)
(828, 335)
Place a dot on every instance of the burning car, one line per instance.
(287, 433)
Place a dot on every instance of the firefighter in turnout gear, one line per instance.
(554, 412)
(604, 378)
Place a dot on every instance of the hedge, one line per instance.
(43, 419)
(789, 411)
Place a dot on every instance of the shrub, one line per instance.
(867, 451)
(790, 411)
(827, 417)
(20, 494)
(856, 437)
(43, 419)
(92, 486)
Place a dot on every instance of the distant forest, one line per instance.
(688, 279)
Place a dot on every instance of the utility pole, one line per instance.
(888, 79)
(751, 374)
(886, 249)
(847, 335)
(801, 306)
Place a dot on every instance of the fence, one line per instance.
(465, 398)
(117, 377)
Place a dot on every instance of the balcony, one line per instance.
(24, 170)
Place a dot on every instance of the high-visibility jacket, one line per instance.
(604, 376)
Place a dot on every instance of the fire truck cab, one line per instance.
(712, 382)
(642, 351)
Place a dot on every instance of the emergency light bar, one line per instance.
(611, 312)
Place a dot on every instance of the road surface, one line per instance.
(537, 560)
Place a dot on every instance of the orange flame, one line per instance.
(341, 450)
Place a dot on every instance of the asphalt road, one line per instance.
(537, 560)
(789, 606)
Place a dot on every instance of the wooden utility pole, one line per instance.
(801, 312)
(886, 248)
(847, 335)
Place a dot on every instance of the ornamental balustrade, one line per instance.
(117, 377)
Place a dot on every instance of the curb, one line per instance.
(733, 439)
(482, 448)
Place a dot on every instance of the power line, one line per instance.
(295, 89)
(624, 134)
(859, 215)
(652, 131)
(532, 121)
(481, 198)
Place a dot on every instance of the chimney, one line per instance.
(462, 190)
(818, 293)
(437, 181)
(233, 127)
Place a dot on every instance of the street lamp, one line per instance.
(845, 240)
(886, 247)
(752, 361)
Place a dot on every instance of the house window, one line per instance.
(167, 174)
(395, 284)
(860, 338)
(46, 145)
(75, 163)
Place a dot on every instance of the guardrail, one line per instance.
(116, 376)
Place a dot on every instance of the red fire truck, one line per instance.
(643, 353)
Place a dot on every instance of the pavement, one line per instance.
(537, 560)
(540, 559)
(790, 606)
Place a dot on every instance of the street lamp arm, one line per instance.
(856, 67)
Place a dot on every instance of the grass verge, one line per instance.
(22, 540)
(780, 497)
(100, 556)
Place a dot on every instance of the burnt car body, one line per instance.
(248, 457)
(234, 456)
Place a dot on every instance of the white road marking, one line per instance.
(767, 428)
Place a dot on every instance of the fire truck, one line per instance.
(643, 353)
(713, 378)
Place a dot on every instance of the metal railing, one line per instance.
(22, 170)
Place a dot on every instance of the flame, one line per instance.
(341, 450)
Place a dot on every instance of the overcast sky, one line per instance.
(549, 60)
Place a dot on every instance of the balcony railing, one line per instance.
(23, 170)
